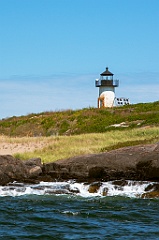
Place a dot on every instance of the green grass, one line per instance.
(62, 147)
(88, 120)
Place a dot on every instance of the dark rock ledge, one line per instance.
(139, 163)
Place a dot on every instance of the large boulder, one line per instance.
(12, 169)
(133, 163)
(34, 167)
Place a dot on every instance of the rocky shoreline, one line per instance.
(140, 163)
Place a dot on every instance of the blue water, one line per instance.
(76, 217)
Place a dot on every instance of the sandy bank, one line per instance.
(11, 146)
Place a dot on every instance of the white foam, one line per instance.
(130, 189)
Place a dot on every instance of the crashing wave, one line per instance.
(101, 189)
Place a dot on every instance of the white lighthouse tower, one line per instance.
(106, 86)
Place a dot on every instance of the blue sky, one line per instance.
(51, 52)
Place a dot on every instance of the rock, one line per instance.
(153, 194)
(45, 178)
(11, 169)
(34, 166)
(57, 191)
(105, 191)
(33, 162)
(35, 172)
(4, 178)
(96, 172)
(74, 190)
(139, 163)
(120, 182)
(94, 187)
(152, 187)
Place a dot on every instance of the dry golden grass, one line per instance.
(61, 147)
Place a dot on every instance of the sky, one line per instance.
(51, 52)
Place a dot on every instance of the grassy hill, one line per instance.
(88, 120)
(69, 133)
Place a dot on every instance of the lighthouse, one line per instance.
(107, 87)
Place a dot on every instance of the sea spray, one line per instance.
(112, 188)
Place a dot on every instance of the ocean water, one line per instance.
(66, 210)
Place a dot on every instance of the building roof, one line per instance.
(106, 73)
